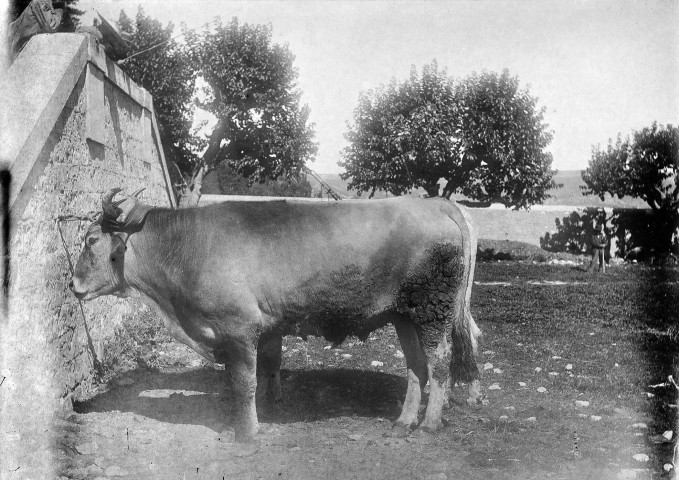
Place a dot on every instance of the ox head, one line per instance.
(100, 267)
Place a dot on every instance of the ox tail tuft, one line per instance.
(464, 342)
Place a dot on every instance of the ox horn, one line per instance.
(110, 210)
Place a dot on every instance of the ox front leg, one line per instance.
(417, 374)
(240, 358)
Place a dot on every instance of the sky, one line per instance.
(598, 67)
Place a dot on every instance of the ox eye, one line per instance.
(91, 241)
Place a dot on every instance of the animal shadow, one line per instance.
(200, 397)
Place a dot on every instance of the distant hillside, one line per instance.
(570, 194)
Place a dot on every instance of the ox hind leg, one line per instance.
(269, 353)
(417, 373)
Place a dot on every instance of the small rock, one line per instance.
(553, 374)
(488, 352)
(503, 418)
(510, 408)
(641, 457)
(284, 348)
(497, 370)
(531, 419)
(399, 354)
(595, 418)
(616, 365)
(86, 448)
(582, 403)
(542, 390)
(391, 346)
(327, 347)
(538, 369)
(488, 366)
(591, 334)
(667, 435)
(569, 367)
(582, 415)
(115, 471)
(667, 467)
(376, 363)
(494, 386)
(650, 395)
(556, 357)
(640, 426)
(355, 437)
(347, 356)
(522, 384)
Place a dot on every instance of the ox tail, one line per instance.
(465, 332)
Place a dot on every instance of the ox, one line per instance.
(230, 276)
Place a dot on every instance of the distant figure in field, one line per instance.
(598, 245)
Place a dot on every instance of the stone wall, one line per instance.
(102, 136)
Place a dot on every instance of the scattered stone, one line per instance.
(488, 352)
(531, 419)
(538, 369)
(569, 367)
(399, 354)
(86, 448)
(327, 347)
(495, 386)
(347, 356)
(581, 403)
(641, 457)
(376, 363)
(488, 366)
(356, 437)
(640, 426)
(497, 370)
(522, 384)
(391, 346)
(668, 434)
(582, 415)
(503, 418)
(510, 408)
(591, 334)
(115, 471)
(553, 374)
(556, 357)
(667, 467)
(616, 365)
(595, 418)
(542, 390)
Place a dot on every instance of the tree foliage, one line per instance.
(644, 166)
(247, 82)
(484, 135)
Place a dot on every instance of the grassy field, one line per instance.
(575, 371)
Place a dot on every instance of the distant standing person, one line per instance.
(598, 245)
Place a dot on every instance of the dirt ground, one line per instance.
(540, 364)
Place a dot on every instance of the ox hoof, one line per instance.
(429, 429)
(399, 430)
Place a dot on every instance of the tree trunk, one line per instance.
(192, 193)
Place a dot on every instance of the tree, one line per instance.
(246, 82)
(644, 166)
(483, 135)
